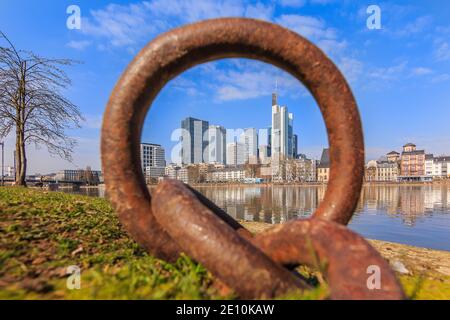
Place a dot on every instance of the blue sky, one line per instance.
(400, 74)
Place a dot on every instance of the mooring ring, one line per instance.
(172, 53)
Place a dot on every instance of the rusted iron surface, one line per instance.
(211, 241)
(166, 227)
(345, 258)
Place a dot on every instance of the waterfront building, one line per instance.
(381, 170)
(152, 160)
(323, 169)
(412, 164)
(429, 159)
(88, 176)
(227, 174)
(370, 171)
(235, 153)
(216, 148)
(387, 171)
(182, 173)
(171, 171)
(264, 154)
(250, 140)
(191, 173)
(265, 171)
(393, 156)
(194, 140)
(10, 172)
(441, 167)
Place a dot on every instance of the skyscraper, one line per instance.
(216, 149)
(153, 159)
(264, 154)
(194, 140)
(235, 153)
(282, 131)
(250, 140)
(290, 153)
(295, 146)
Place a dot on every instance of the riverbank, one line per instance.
(43, 233)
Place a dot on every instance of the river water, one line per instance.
(415, 215)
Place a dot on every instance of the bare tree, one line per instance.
(31, 103)
(251, 169)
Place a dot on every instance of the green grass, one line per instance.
(42, 233)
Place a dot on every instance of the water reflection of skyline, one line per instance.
(278, 204)
(266, 204)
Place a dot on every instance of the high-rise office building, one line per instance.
(295, 146)
(153, 159)
(194, 140)
(290, 135)
(282, 131)
(264, 154)
(250, 140)
(235, 153)
(216, 149)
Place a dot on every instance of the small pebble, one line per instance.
(399, 267)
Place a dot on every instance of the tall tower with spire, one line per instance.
(274, 94)
(282, 128)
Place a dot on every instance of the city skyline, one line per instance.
(399, 74)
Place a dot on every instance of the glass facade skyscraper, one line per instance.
(216, 149)
(250, 140)
(194, 140)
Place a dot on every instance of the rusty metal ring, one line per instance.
(172, 53)
(241, 261)
(209, 238)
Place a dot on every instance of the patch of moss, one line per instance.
(426, 288)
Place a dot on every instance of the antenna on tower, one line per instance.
(274, 94)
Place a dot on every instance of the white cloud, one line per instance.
(183, 84)
(388, 73)
(259, 11)
(441, 78)
(130, 26)
(307, 26)
(443, 52)
(194, 10)
(237, 85)
(421, 71)
(321, 1)
(79, 45)
(315, 30)
(246, 79)
(292, 3)
(351, 68)
(419, 25)
(122, 25)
